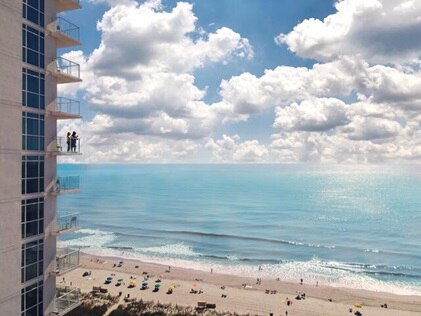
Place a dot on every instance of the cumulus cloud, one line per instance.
(329, 130)
(312, 115)
(360, 102)
(386, 31)
(141, 75)
(230, 148)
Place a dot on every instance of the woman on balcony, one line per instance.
(68, 140)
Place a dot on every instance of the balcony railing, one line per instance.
(64, 70)
(66, 5)
(66, 33)
(67, 184)
(67, 223)
(64, 108)
(64, 146)
(67, 299)
(67, 259)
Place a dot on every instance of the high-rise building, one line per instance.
(31, 32)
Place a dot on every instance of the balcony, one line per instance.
(67, 5)
(59, 146)
(67, 259)
(66, 33)
(66, 223)
(67, 299)
(64, 109)
(69, 184)
(64, 70)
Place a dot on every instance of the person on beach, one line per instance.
(301, 281)
(68, 138)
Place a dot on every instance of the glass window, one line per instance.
(33, 131)
(33, 10)
(32, 174)
(32, 260)
(32, 46)
(32, 217)
(33, 89)
(32, 300)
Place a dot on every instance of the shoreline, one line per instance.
(243, 295)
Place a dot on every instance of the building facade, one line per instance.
(31, 32)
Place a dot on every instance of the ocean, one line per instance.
(350, 226)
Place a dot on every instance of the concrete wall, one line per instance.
(50, 206)
(10, 155)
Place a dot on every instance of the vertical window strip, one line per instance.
(33, 46)
(32, 260)
(32, 174)
(33, 89)
(33, 131)
(33, 10)
(32, 300)
(32, 217)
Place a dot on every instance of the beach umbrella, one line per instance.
(120, 280)
(145, 284)
(109, 278)
(133, 282)
(157, 284)
(172, 286)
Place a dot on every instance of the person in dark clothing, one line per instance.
(74, 139)
(68, 141)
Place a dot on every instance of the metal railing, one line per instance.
(68, 106)
(66, 298)
(68, 183)
(67, 222)
(66, 259)
(67, 28)
(65, 146)
(67, 67)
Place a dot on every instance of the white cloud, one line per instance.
(312, 115)
(230, 148)
(283, 85)
(358, 104)
(329, 130)
(141, 75)
(386, 31)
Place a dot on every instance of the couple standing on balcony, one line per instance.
(71, 141)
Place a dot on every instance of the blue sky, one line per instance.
(248, 80)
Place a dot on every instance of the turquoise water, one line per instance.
(354, 226)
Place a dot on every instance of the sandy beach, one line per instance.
(234, 293)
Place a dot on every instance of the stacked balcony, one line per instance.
(66, 33)
(64, 70)
(67, 259)
(64, 109)
(67, 5)
(68, 184)
(67, 299)
(66, 223)
(59, 146)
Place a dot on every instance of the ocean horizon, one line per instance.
(352, 226)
